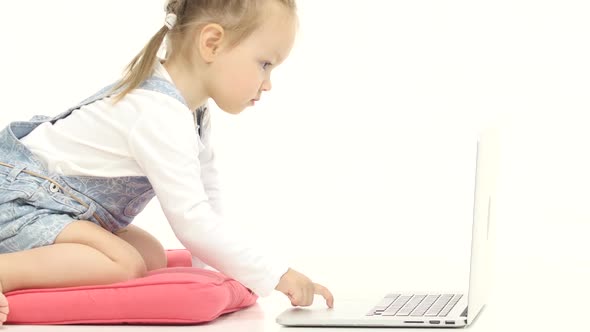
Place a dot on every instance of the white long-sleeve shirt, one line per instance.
(151, 134)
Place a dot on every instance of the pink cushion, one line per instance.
(178, 294)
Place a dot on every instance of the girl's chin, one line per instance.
(235, 110)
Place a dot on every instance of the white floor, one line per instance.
(538, 286)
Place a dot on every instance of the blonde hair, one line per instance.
(239, 17)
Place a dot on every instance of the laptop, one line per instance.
(427, 309)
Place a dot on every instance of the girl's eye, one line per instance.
(265, 65)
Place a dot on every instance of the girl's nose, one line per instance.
(266, 85)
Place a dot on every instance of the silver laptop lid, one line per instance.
(488, 154)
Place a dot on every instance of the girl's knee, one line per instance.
(151, 250)
(130, 262)
(135, 268)
(156, 258)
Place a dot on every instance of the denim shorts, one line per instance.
(34, 208)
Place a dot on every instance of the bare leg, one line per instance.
(151, 250)
(83, 254)
(3, 306)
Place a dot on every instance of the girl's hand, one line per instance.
(300, 289)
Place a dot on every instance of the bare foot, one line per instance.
(3, 306)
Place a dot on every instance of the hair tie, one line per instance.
(170, 20)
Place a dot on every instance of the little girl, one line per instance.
(70, 185)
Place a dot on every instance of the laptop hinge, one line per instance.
(464, 314)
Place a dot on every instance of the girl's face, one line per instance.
(241, 74)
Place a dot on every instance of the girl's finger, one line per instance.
(323, 291)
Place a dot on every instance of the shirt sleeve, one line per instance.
(165, 145)
(209, 173)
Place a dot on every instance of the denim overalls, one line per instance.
(37, 204)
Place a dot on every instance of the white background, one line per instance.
(362, 155)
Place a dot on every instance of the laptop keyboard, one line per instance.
(416, 305)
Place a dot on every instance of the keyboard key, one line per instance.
(411, 305)
(425, 305)
(398, 304)
(450, 305)
(384, 304)
(438, 305)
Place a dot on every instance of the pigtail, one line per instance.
(142, 65)
(175, 6)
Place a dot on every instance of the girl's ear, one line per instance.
(210, 41)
